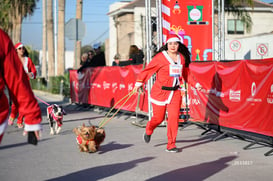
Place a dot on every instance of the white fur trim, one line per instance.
(3, 126)
(33, 127)
(175, 39)
(25, 65)
(160, 103)
(138, 84)
(21, 45)
(170, 59)
(167, 56)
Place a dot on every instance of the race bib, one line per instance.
(176, 70)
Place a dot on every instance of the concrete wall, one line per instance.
(262, 23)
(112, 31)
(261, 33)
(126, 34)
(249, 46)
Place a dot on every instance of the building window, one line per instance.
(235, 27)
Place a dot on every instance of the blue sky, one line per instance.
(94, 16)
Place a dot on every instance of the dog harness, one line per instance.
(58, 119)
(79, 140)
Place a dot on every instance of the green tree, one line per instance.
(33, 55)
(12, 13)
(5, 23)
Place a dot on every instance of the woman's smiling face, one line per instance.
(173, 47)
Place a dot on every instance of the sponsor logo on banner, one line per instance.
(235, 96)
(194, 91)
(269, 98)
(130, 86)
(106, 85)
(95, 85)
(114, 87)
(121, 86)
(253, 89)
(195, 102)
(253, 94)
(78, 85)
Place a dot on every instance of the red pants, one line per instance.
(14, 112)
(173, 109)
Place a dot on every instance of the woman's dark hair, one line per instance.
(26, 54)
(181, 49)
(133, 50)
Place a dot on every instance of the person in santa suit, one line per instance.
(170, 64)
(13, 76)
(30, 70)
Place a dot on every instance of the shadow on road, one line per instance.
(196, 172)
(113, 146)
(195, 142)
(102, 172)
(20, 144)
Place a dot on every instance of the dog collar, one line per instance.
(79, 140)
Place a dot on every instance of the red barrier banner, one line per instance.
(106, 86)
(192, 20)
(236, 94)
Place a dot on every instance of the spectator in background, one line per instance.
(86, 60)
(30, 70)
(91, 54)
(12, 75)
(99, 58)
(116, 60)
(135, 55)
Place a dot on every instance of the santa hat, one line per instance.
(19, 45)
(174, 38)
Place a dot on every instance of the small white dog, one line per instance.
(55, 114)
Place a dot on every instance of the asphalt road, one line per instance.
(124, 155)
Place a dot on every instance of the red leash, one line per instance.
(42, 101)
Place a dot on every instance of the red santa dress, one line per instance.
(165, 95)
(13, 76)
(29, 67)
